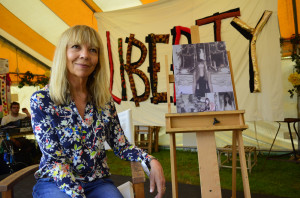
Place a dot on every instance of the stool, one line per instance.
(249, 150)
(146, 137)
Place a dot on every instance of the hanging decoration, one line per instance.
(131, 68)
(111, 65)
(123, 82)
(154, 66)
(31, 79)
(216, 19)
(251, 34)
(177, 31)
(3, 96)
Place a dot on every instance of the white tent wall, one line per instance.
(160, 17)
(23, 95)
(271, 104)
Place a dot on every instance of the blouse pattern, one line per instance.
(73, 148)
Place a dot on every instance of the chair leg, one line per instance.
(156, 136)
(142, 138)
(138, 179)
(8, 194)
(139, 191)
(149, 139)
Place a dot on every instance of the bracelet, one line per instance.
(146, 165)
(151, 158)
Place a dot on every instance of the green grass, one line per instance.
(270, 177)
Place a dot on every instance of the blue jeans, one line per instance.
(101, 188)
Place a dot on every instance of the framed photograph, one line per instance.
(202, 78)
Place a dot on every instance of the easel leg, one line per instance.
(243, 164)
(173, 165)
(233, 184)
(208, 165)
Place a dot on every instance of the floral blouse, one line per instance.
(73, 147)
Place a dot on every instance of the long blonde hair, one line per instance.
(97, 83)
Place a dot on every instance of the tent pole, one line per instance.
(296, 48)
(295, 18)
(295, 44)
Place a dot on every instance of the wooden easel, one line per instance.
(202, 124)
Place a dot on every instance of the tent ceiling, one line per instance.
(35, 25)
(36, 15)
(116, 4)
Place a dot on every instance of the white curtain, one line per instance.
(161, 16)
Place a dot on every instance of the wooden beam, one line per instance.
(72, 12)
(91, 4)
(148, 1)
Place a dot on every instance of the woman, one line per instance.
(201, 80)
(73, 116)
(228, 104)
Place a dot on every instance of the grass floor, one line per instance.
(270, 177)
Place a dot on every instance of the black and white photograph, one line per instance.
(226, 100)
(202, 77)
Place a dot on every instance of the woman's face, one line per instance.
(81, 60)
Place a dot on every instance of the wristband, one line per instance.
(146, 165)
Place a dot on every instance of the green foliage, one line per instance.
(29, 79)
(296, 59)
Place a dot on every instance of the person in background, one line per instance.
(14, 114)
(73, 116)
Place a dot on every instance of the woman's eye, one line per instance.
(75, 46)
(94, 50)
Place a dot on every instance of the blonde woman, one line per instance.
(73, 117)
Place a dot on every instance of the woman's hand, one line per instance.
(157, 178)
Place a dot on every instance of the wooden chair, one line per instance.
(7, 184)
(146, 137)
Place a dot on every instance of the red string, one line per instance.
(111, 65)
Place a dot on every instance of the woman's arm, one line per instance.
(123, 149)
